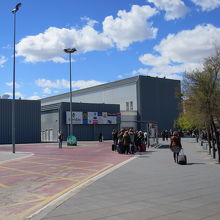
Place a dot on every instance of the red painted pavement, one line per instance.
(28, 184)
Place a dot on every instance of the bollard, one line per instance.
(201, 143)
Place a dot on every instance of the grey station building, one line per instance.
(142, 99)
(27, 121)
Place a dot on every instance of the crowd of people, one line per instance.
(129, 141)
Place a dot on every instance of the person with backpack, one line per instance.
(175, 145)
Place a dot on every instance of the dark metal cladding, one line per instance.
(162, 95)
(27, 121)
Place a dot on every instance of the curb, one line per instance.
(55, 203)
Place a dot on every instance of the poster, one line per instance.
(76, 118)
(93, 118)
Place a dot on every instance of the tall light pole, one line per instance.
(13, 100)
(70, 51)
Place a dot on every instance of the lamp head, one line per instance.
(16, 8)
(70, 50)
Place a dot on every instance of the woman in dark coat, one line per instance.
(175, 145)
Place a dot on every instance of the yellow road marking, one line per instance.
(35, 173)
(67, 167)
(21, 203)
(49, 199)
(11, 175)
(5, 186)
(73, 160)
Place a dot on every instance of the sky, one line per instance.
(115, 39)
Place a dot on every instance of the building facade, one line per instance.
(27, 121)
(141, 99)
(89, 120)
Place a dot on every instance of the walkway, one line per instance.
(150, 187)
(47, 173)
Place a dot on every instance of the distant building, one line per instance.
(141, 99)
(27, 121)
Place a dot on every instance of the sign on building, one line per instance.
(93, 118)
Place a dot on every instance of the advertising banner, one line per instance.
(93, 118)
(76, 118)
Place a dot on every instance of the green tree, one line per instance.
(202, 91)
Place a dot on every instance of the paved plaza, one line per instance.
(150, 187)
(31, 181)
(117, 187)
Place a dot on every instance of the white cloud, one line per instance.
(2, 60)
(48, 46)
(130, 26)
(11, 84)
(47, 91)
(207, 5)
(126, 28)
(174, 8)
(89, 21)
(17, 94)
(151, 60)
(182, 52)
(64, 84)
(34, 97)
(190, 45)
(120, 76)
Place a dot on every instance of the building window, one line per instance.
(127, 106)
(131, 106)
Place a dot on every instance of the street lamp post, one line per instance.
(13, 100)
(70, 51)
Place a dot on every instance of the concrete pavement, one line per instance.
(8, 156)
(151, 186)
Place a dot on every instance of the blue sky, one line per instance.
(115, 39)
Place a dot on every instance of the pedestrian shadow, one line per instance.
(144, 154)
(195, 163)
(164, 147)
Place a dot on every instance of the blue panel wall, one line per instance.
(27, 121)
(158, 101)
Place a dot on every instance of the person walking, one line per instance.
(115, 137)
(175, 145)
(100, 137)
(60, 138)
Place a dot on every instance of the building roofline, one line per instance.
(129, 80)
(96, 88)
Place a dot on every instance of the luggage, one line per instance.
(113, 147)
(182, 159)
(120, 149)
(143, 148)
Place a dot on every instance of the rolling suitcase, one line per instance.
(113, 147)
(182, 159)
(143, 148)
(120, 149)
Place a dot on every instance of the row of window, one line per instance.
(129, 106)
